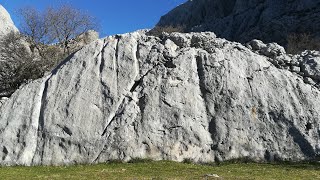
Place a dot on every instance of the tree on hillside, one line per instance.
(66, 23)
(55, 25)
(35, 26)
(46, 38)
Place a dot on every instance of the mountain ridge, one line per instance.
(242, 21)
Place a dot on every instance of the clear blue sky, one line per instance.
(114, 16)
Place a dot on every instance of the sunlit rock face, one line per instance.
(6, 22)
(244, 20)
(184, 96)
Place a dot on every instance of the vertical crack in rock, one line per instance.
(112, 114)
(136, 65)
(201, 76)
(4, 153)
(204, 92)
(37, 125)
(38, 136)
(117, 59)
(104, 88)
(121, 103)
(250, 79)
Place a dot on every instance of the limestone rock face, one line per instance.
(183, 96)
(6, 22)
(244, 20)
(82, 40)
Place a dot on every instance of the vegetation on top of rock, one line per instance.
(55, 25)
(159, 30)
(298, 43)
(46, 39)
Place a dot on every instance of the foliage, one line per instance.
(159, 30)
(300, 42)
(17, 64)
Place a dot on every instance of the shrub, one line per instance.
(17, 64)
(159, 30)
(140, 160)
(188, 161)
(296, 43)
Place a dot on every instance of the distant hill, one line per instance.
(244, 20)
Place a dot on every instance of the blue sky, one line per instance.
(114, 16)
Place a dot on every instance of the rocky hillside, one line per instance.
(244, 20)
(186, 96)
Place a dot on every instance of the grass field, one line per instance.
(166, 170)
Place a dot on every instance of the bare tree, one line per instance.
(35, 26)
(66, 23)
(45, 41)
(55, 25)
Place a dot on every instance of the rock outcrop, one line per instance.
(6, 22)
(244, 20)
(185, 96)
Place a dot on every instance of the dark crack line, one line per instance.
(174, 127)
(41, 130)
(117, 58)
(124, 99)
(98, 156)
(104, 88)
(263, 69)
(140, 80)
(118, 112)
(250, 79)
(65, 129)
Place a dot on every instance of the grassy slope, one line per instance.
(165, 170)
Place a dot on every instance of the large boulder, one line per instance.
(244, 20)
(6, 22)
(185, 96)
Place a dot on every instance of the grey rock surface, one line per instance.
(185, 96)
(244, 20)
(6, 22)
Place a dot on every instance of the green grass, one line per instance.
(166, 170)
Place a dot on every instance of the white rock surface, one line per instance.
(186, 96)
(6, 22)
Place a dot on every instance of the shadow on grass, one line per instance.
(140, 160)
(307, 165)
